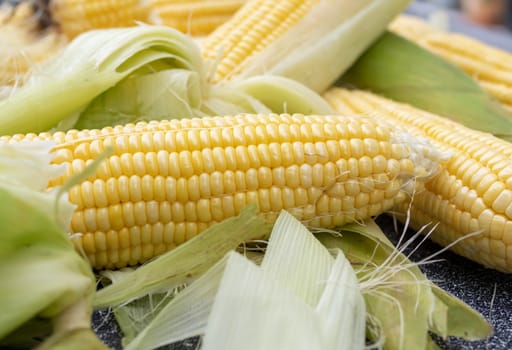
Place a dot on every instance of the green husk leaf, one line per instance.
(42, 274)
(401, 70)
(133, 317)
(92, 63)
(153, 96)
(391, 282)
(77, 339)
(188, 260)
(28, 336)
(402, 308)
(462, 320)
(44, 279)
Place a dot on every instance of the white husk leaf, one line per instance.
(92, 63)
(297, 259)
(185, 316)
(299, 298)
(317, 50)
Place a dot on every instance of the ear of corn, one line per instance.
(431, 83)
(252, 28)
(77, 16)
(168, 181)
(489, 66)
(473, 191)
(194, 17)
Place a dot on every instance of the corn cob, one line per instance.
(411, 27)
(194, 17)
(167, 181)
(77, 16)
(472, 192)
(490, 66)
(22, 44)
(253, 27)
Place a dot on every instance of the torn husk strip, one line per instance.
(270, 304)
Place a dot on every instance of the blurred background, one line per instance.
(487, 20)
(488, 13)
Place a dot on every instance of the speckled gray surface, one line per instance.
(488, 291)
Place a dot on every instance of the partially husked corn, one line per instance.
(257, 24)
(167, 181)
(490, 66)
(472, 192)
(194, 17)
(77, 16)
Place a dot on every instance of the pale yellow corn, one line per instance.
(165, 182)
(490, 66)
(77, 16)
(473, 191)
(411, 27)
(257, 24)
(194, 17)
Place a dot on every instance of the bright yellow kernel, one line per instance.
(493, 191)
(182, 190)
(217, 183)
(502, 201)
(168, 233)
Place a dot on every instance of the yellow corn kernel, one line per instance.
(194, 17)
(472, 192)
(411, 27)
(257, 24)
(77, 16)
(137, 208)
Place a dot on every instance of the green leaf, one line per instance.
(462, 320)
(403, 71)
(301, 297)
(171, 93)
(87, 67)
(399, 296)
(41, 272)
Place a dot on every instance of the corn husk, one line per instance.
(186, 261)
(403, 71)
(323, 45)
(44, 280)
(402, 303)
(300, 297)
